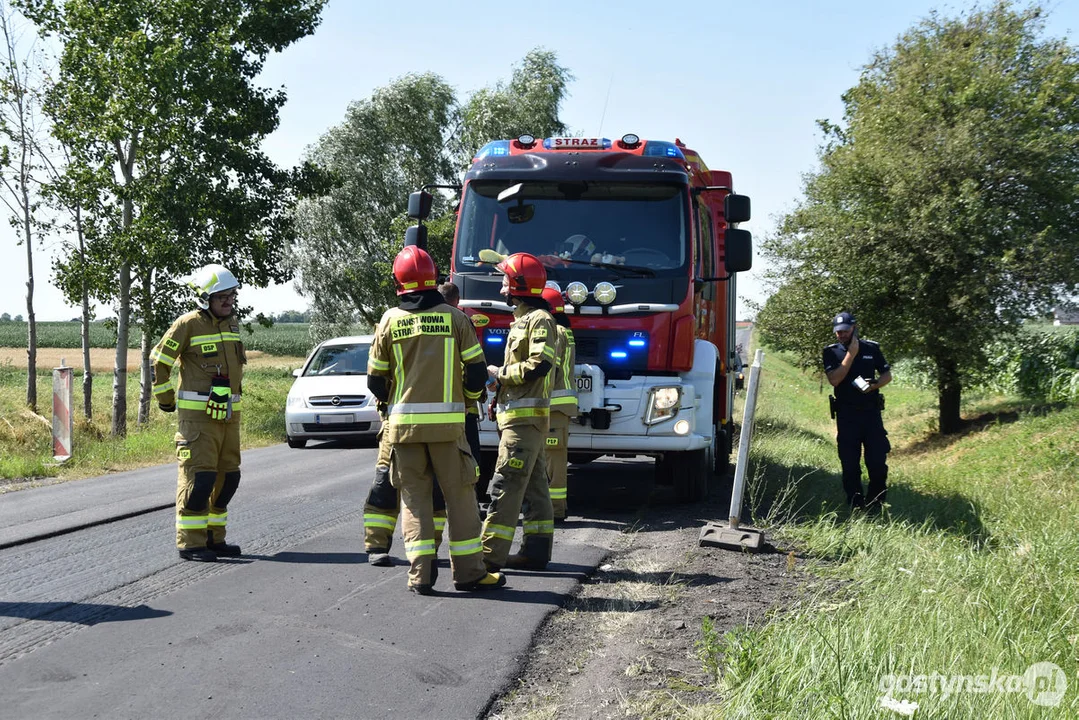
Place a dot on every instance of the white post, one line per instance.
(748, 414)
(62, 378)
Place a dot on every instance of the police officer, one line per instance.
(857, 370)
(198, 369)
(522, 402)
(563, 403)
(425, 354)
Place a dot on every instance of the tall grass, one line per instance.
(26, 439)
(292, 339)
(972, 571)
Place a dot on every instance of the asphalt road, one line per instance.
(99, 617)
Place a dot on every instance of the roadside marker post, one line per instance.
(734, 536)
(62, 379)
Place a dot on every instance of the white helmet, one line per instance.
(211, 279)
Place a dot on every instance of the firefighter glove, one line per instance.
(167, 408)
(217, 407)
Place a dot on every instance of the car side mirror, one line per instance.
(297, 372)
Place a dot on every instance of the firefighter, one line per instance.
(381, 509)
(452, 294)
(425, 355)
(563, 403)
(198, 372)
(522, 403)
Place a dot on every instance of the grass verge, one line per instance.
(26, 438)
(970, 577)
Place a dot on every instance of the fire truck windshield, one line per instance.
(571, 224)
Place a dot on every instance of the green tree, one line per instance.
(946, 207)
(20, 131)
(529, 103)
(386, 147)
(408, 134)
(156, 103)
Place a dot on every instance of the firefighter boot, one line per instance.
(534, 555)
(224, 549)
(490, 581)
(426, 588)
(198, 554)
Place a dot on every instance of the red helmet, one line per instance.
(414, 270)
(554, 299)
(526, 274)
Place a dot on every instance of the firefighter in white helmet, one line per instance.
(424, 359)
(198, 371)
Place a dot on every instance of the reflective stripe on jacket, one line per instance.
(531, 341)
(201, 346)
(564, 386)
(423, 353)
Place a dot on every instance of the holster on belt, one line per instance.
(831, 406)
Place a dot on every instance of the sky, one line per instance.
(741, 83)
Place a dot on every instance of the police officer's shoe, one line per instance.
(198, 554)
(224, 549)
(523, 562)
(379, 557)
(490, 581)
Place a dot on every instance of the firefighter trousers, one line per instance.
(557, 465)
(208, 452)
(520, 480)
(414, 470)
(383, 504)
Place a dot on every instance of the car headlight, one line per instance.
(294, 401)
(663, 404)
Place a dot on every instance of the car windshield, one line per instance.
(571, 224)
(339, 360)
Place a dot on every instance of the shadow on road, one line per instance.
(81, 613)
(340, 558)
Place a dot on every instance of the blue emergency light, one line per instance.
(619, 355)
(495, 148)
(637, 343)
(494, 339)
(662, 148)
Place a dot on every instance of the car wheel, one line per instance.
(297, 443)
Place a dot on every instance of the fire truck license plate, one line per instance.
(584, 383)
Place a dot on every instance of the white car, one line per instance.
(329, 399)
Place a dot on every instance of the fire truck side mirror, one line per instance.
(735, 208)
(419, 205)
(739, 250)
(416, 235)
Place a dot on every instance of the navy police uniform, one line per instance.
(859, 422)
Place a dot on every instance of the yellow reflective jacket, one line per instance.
(564, 385)
(202, 346)
(524, 397)
(422, 353)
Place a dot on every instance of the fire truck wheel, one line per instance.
(689, 473)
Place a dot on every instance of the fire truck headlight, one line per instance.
(576, 292)
(663, 403)
(604, 293)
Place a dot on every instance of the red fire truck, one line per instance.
(641, 237)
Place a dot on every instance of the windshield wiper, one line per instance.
(621, 270)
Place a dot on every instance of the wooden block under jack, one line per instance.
(731, 538)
